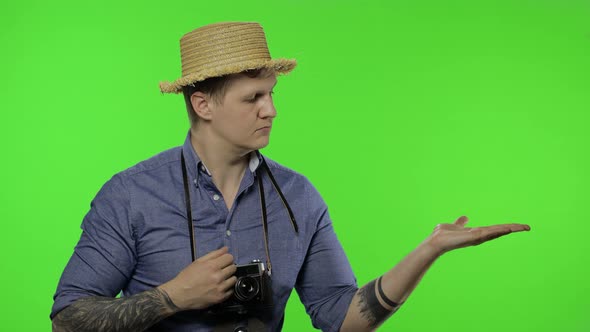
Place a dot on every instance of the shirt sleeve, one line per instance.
(326, 283)
(104, 257)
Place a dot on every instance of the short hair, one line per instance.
(216, 88)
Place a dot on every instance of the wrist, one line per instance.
(171, 298)
(431, 249)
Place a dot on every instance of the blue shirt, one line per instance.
(135, 237)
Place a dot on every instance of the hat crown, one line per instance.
(222, 44)
(221, 49)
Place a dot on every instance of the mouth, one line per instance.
(264, 128)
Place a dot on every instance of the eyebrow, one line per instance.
(259, 92)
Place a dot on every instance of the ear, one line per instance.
(202, 104)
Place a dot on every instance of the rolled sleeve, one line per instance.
(104, 257)
(326, 283)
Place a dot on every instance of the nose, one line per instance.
(268, 110)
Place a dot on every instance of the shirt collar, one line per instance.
(252, 164)
(195, 163)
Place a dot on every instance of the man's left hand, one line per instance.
(447, 237)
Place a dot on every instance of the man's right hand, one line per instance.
(207, 281)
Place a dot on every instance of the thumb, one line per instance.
(462, 221)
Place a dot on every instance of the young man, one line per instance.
(175, 233)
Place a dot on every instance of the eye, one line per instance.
(257, 96)
(253, 99)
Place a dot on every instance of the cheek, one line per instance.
(247, 115)
(240, 121)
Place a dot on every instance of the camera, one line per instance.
(252, 291)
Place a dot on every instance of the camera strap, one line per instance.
(262, 206)
(264, 222)
(278, 190)
(189, 210)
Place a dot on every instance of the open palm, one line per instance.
(447, 237)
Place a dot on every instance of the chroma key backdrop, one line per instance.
(403, 114)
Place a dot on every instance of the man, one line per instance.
(170, 232)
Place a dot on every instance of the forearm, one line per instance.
(133, 313)
(368, 310)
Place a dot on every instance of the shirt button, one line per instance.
(216, 197)
(228, 232)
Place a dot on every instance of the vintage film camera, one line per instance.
(252, 291)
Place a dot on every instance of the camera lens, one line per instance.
(246, 288)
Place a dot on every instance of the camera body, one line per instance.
(252, 291)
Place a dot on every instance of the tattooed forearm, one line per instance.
(370, 307)
(133, 313)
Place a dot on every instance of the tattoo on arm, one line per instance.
(370, 307)
(133, 313)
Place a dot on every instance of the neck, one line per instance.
(225, 163)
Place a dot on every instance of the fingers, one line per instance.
(484, 234)
(223, 261)
(213, 254)
(229, 283)
(219, 261)
(462, 221)
(507, 227)
(229, 271)
(228, 286)
(228, 293)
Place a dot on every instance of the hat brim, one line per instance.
(280, 66)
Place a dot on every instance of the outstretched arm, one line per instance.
(380, 298)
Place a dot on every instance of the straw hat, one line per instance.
(224, 48)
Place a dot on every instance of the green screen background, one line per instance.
(404, 114)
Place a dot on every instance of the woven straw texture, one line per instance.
(221, 49)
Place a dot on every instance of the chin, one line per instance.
(253, 146)
(260, 144)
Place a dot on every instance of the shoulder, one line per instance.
(294, 183)
(157, 169)
(283, 170)
(133, 185)
(285, 174)
(165, 159)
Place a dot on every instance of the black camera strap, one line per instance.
(264, 223)
(189, 210)
(262, 205)
(278, 190)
